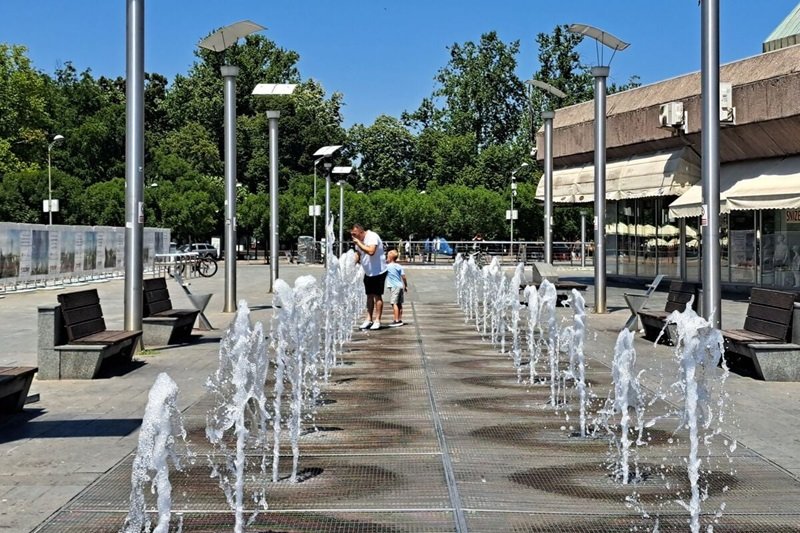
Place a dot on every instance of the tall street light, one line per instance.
(219, 41)
(326, 153)
(314, 208)
(709, 97)
(274, 89)
(600, 74)
(134, 165)
(341, 183)
(341, 171)
(548, 117)
(513, 194)
(50, 206)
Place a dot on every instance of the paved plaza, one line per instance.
(423, 428)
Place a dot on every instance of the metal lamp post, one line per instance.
(314, 207)
(548, 117)
(341, 171)
(511, 213)
(340, 183)
(219, 41)
(325, 153)
(600, 74)
(56, 139)
(134, 165)
(709, 79)
(273, 116)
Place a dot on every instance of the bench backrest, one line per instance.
(770, 312)
(81, 313)
(680, 292)
(156, 296)
(543, 271)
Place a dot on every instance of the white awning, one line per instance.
(778, 187)
(760, 184)
(659, 174)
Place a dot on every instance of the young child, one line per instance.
(398, 286)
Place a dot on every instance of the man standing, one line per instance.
(369, 247)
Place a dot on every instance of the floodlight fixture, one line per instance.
(268, 89)
(342, 170)
(327, 151)
(547, 88)
(600, 36)
(225, 37)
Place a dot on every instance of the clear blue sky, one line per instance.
(383, 54)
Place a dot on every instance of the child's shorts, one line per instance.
(396, 295)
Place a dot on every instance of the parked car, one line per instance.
(202, 248)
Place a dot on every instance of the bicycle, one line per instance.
(206, 266)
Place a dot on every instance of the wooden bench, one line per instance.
(15, 382)
(74, 341)
(769, 337)
(653, 321)
(161, 324)
(542, 271)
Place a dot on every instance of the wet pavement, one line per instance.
(422, 428)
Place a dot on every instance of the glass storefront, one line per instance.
(756, 247)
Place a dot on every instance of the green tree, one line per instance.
(25, 125)
(483, 95)
(385, 150)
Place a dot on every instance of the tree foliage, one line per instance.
(442, 169)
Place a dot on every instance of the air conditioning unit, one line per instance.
(670, 115)
(727, 113)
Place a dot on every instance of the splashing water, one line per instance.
(627, 393)
(513, 299)
(534, 347)
(298, 315)
(576, 356)
(699, 350)
(549, 333)
(161, 427)
(237, 389)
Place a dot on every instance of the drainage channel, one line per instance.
(447, 464)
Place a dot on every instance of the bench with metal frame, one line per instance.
(637, 302)
(15, 382)
(542, 271)
(770, 337)
(73, 339)
(654, 321)
(161, 324)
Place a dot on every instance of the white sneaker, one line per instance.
(375, 325)
(365, 325)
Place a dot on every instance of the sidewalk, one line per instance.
(432, 432)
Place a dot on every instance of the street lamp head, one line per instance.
(342, 170)
(327, 151)
(546, 87)
(602, 37)
(56, 139)
(227, 36)
(269, 89)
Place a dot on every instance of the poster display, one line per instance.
(37, 252)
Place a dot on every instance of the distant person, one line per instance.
(398, 286)
(781, 255)
(407, 250)
(370, 253)
(428, 249)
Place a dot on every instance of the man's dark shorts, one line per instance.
(373, 285)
